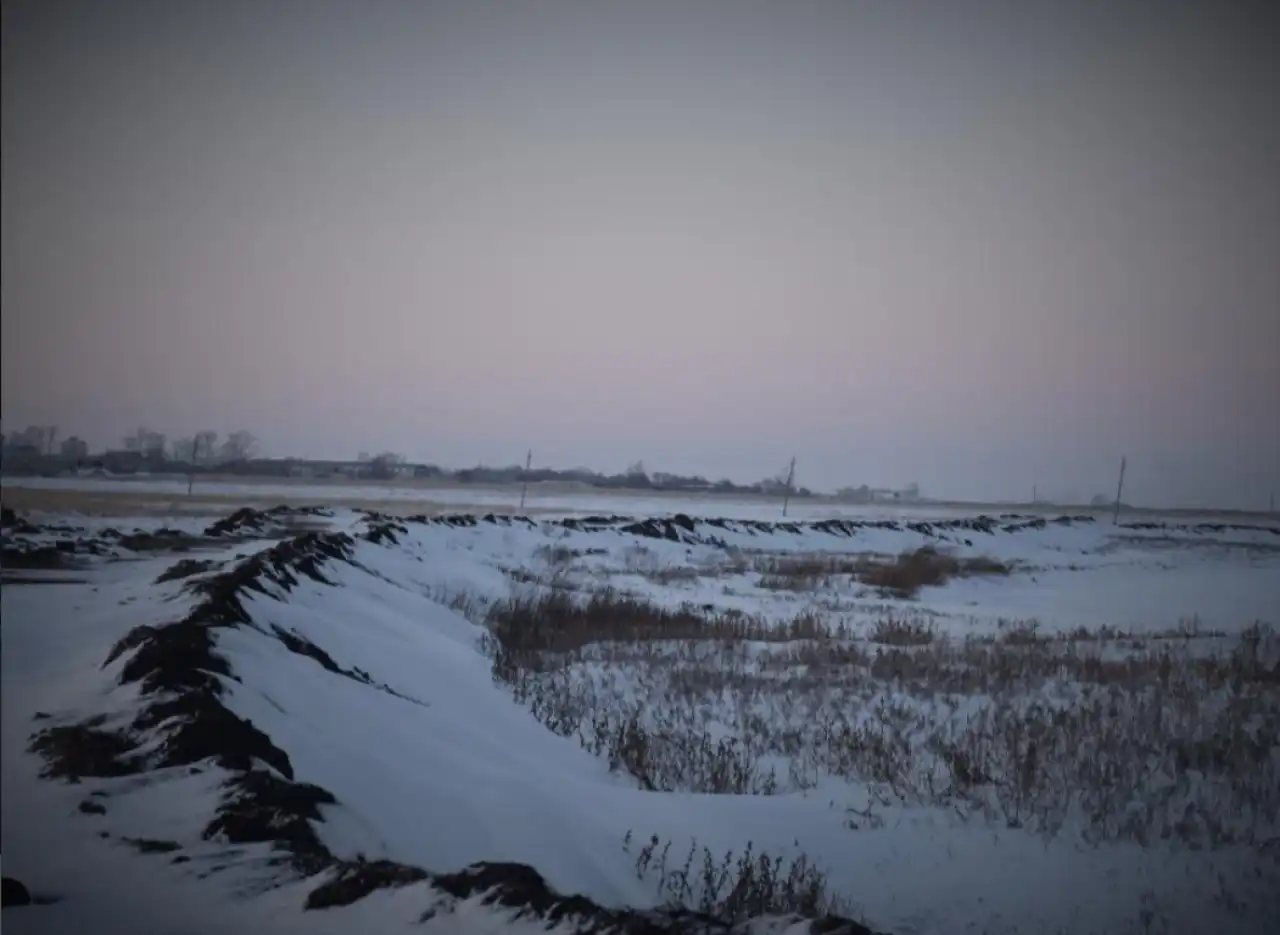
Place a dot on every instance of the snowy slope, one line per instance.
(361, 685)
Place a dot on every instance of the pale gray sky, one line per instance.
(975, 245)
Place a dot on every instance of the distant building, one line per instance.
(122, 462)
(373, 469)
(865, 494)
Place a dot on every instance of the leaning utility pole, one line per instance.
(1115, 516)
(791, 476)
(524, 487)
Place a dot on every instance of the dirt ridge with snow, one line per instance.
(180, 675)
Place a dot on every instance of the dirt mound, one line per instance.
(178, 669)
(698, 531)
(520, 888)
(258, 808)
(180, 673)
(353, 880)
(591, 523)
(187, 568)
(691, 530)
(13, 893)
(14, 524)
(86, 749)
(1203, 528)
(678, 528)
(75, 548)
(281, 520)
(27, 557)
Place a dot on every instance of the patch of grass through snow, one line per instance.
(1174, 737)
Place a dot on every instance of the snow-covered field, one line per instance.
(408, 495)
(1029, 726)
(221, 495)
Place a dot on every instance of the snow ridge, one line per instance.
(182, 676)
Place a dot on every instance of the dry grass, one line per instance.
(1116, 736)
(809, 572)
(892, 631)
(733, 888)
(926, 567)
(900, 577)
(554, 621)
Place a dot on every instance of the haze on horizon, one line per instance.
(989, 247)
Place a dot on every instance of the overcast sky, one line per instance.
(989, 247)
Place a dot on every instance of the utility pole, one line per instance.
(1034, 499)
(195, 459)
(1115, 516)
(786, 494)
(524, 487)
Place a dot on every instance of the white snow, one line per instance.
(457, 772)
(553, 499)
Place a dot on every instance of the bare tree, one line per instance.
(239, 446)
(155, 446)
(204, 447)
(183, 450)
(151, 445)
(75, 448)
(200, 450)
(30, 438)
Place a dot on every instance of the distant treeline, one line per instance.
(37, 452)
(631, 479)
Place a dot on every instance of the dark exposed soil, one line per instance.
(282, 520)
(39, 558)
(257, 808)
(163, 540)
(152, 846)
(85, 750)
(304, 647)
(13, 893)
(179, 671)
(1204, 527)
(354, 880)
(523, 889)
(7, 577)
(180, 675)
(703, 531)
(187, 568)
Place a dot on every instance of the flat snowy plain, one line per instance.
(158, 493)
(1074, 728)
